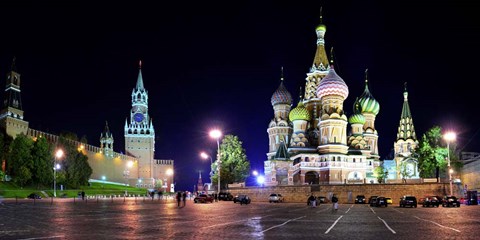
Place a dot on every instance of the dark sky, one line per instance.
(208, 64)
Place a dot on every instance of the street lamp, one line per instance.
(449, 136)
(216, 134)
(205, 156)
(169, 173)
(56, 166)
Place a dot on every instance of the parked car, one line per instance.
(322, 199)
(240, 197)
(203, 198)
(275, 197)
(34, 196)
(431, 201)
(372, 200)
(360, 199)
(243, 199)
(408, 201)
(225, 196)
(450, 201)
(381, 201)
(389, 200)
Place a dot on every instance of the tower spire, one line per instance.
(406, 129)
(14, 67)
(321, 15)
(281, 74)
(140, 78)
(331, 57)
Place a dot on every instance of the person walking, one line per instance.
(335, 202)
(184, 198)
(311, 201)
(179, 198)
(83, 195)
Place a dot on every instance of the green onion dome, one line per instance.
(299, 113)
(368, 102)
(281, 95)
(357, 117)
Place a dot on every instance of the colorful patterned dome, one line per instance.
(332, 84)
(299, 113)
(281, 96)
(357, 119)
(368, 102)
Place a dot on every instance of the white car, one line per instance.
(275, 197)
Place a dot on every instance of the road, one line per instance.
(162, 219)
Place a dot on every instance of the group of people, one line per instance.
(181, 196)
(312, 202)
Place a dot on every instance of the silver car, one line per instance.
(275, 197)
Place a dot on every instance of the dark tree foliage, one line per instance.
(43, 163)
(20, 160)
(76, 171)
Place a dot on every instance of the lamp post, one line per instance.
(169, 173)
(205, 156)
(216, 134)
(56, 166)
(126, 174)
(449, 136)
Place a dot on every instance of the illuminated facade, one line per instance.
(309, 144)
(144, 171)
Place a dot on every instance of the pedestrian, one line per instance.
(179, 198)
(216, 197)
(184, 198)
(335, 202)
(311, 201)
(83, 195)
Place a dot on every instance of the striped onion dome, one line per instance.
(368, 102)
(299, 113)
(332, 84)
(357, 116)
(281, 95)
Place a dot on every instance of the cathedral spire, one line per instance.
(320, 61)
(13, 68)
(140, 78)
(406, 129)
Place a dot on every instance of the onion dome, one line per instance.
(367, 101)
(281, 95)
(299, 113)
(357, 117)
(332, 84)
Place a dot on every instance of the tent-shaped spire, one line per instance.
(406, 130)
(140, 78)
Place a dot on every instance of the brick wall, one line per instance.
(347, 192)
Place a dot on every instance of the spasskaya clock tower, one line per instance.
(139, 133)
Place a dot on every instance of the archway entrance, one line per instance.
(311, 178)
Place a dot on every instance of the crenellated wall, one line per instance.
(346, 192)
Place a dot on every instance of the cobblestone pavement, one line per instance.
(162, 219)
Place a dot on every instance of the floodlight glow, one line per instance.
(260, 179)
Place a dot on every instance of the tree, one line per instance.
(235, 166)
(430, 154)
(42, 162)
(404, 171)
(20, 159)
(76, 170)
(379, 173)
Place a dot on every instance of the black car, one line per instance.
(225, 196)
(431, 201)
(408, 201)
(450, 201)
(372, 201)
(34, 196)
(360, 199)
(242, 199)
(381, 201)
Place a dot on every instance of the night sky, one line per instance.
(209, 64)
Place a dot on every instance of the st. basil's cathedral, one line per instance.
(309, 144)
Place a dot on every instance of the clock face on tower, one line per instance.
(138, 117)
